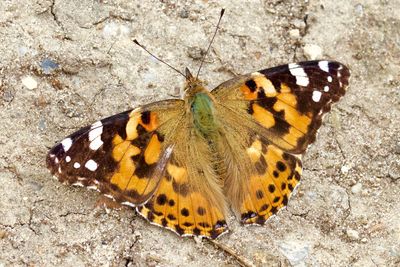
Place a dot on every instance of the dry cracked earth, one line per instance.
(65, 64)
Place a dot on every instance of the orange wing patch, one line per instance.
(270, 188)
(176, 206)
(136, 153)
(276, 109)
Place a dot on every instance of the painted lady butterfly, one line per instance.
(183, 163)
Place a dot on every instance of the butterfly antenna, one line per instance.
(159, 59)
(212, 40)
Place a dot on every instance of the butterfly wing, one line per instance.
(123, 156)
(280, 109)
(189, 199)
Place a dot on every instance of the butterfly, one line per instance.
(184, 163)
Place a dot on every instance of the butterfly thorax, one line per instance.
(200, 104)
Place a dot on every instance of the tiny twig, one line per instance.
(241, 260)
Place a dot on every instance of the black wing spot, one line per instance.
(251, 84)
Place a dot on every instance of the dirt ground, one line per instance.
(65, 64)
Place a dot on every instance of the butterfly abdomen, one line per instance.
(202, 108)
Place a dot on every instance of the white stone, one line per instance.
(29, 82)
(295, 251)
(312, 51)
(345, 169)
(112, 30)
(294, 33)
(352, 234)
(91, 165)
(355, 189)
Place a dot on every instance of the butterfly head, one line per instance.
(193, 84)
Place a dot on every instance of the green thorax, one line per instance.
(202, 108)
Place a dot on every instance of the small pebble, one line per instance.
(196, 52)
(352, 234)
(42, 124)
(359, 8)
(299, 24)
(184, 14)
(312, 51)
(294, 33)
(29, 82)
(345, 169)
(355, 189)
(48, 66)
(296, 252)
(112, 30)
(8, 95)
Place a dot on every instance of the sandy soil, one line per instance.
(346, 211)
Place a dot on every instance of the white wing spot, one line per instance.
(66, 144)
(91, 165)
(326, 88)
(109, 196)
(67, 158)
(302, 81)
(56, 160)
(330, 79)
(92, 187)
(97, 130)
(77, 165)
(316, 96)
(323, 65)
(59, 169)
(126, 203)
(299, 73)
(95, 135)
(96, 143)
(78, 184)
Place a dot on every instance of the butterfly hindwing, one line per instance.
(189, 199)
(278, 173)
(178, 206)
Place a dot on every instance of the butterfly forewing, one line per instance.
(120, 155)
(288, 101)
